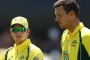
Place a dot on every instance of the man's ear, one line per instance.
(10, 31)
(28, 31)
(71, 13)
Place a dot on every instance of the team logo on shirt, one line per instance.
(74, 42)
(35, 58)
(22, 57)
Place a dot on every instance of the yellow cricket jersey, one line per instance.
(25, 51)
(70, 44)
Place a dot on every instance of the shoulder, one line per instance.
(35, 52)
(85, 34)
(5, 54)
(85, 31)
(9, 48)
(34, 48)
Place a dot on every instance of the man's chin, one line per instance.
(62, 27)
(18, 39)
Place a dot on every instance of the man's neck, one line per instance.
(73, 26)
(18, 43)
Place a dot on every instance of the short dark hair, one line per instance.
(68, 6)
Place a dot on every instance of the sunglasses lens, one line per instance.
(21, 29)
(15, 30)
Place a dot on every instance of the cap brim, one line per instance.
(15, 24)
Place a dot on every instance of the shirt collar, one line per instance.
(77, 28)
(23, 45)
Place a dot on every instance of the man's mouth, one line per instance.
(18, 36)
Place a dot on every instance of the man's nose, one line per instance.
(18, 32)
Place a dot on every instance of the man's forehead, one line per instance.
(17, 25)
(60, 8)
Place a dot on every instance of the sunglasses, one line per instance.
(16, 29)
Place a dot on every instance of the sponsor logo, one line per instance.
(66, 55)
(22, 57)
(35, 58)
